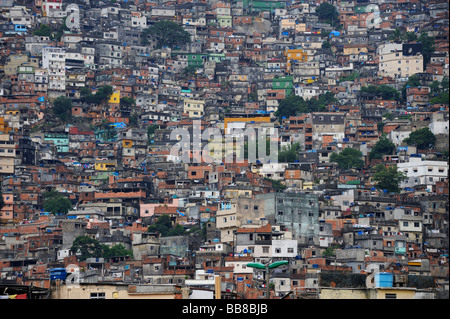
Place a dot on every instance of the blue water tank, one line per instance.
(384, 280)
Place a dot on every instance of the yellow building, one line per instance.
(256, 119)
(308, 185)
(115, 98)
(105, 165)
(296, 55)
(4, 126)
(194, 108)
(114, 291)
(368, 293)
(127, 143)
(354, 49)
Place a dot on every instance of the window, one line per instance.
(390, 296)
(97, 295)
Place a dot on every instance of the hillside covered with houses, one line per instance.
(132, 138)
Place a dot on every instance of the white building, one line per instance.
(273, 171)
(21, 15)
(139, 21)
(53, 8)
(439, 127)
(284, 248)
(421, 172)
(54, 61)
(397, 136)
(396, 60)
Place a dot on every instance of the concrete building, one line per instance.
(423, 172)
(399, 60)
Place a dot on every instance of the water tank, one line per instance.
(384, 279)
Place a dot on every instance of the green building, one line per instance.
(261, 5)
(59, 139)
(283, 83)
(216, 57)
(225, 21)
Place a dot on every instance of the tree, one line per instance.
(278, 186)
(189, 71)
(127, 102)
(388, 178)
(59, 33)
(87, 247)
(289, 106)
(294, 104)
(330, 250)
(413, 81)
(395, 35)
(384, 91)
(384, 146)
(289, 154)
(56, 203)
(326, 44)
(62, 108)
(151, 131)
(348, 158)
(166, 33)
(163, 225)
(422, 138)
(256, 142)
(327, 13)
(427, 47)
(439, 92)
(103, 94)
(443, 98)
(44, 30)
(116, 251)
(2, 201)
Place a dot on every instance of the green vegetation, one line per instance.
(352, 77)
(88, 247)
(56, 203)
(348, 158)
(328, 13)
(439, 92)
(399, 35)
(116, 251)
(62, 108)
(384, 91)
(151, 131)
(278, 186)
(422, 138)
(427, 47)
(127, 102)
(44, 30)
(289, 154)
(294, 104)
(388, 178)
(166, 33)
(102, 95)
(384, 146)
(2, 201)
(326, 44)
(165, 227)
(331, 250)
